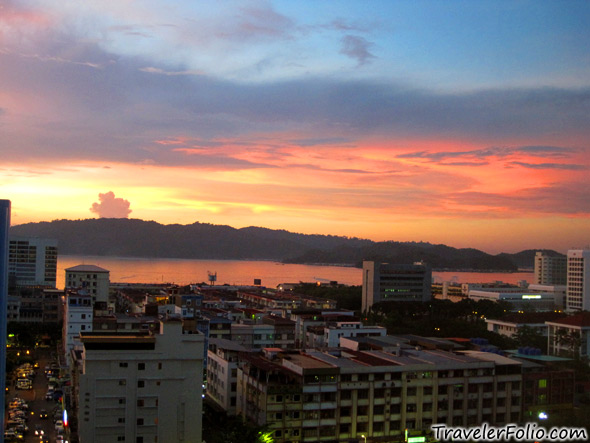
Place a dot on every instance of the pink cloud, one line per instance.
(111, 207)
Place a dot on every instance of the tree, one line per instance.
(527, 336)
(569, 340)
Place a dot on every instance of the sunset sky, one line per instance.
(457, 122)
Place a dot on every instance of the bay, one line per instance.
(243, 272)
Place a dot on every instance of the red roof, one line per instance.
(581, 320)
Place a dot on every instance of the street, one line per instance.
(35, 398)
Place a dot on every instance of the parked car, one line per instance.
(43, 414)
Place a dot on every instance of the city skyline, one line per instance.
(448, 122)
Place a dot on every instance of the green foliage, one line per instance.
(439, 318)
(527, 336)
(218, 427)
(28, 334)
(347, 297)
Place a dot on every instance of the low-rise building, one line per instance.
(518, 299)
(511, 323)
(569, 336)
(330, 335)
(339, 395)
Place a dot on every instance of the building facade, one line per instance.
(330, 334)
(569, 336)
(395, 282)
(93, 279)
(550, 270)
(140, 387)
(32, 261)
(578, 280)
(78, 316)
(222, 372)
(337, 396)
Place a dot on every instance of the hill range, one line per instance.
(148, 239)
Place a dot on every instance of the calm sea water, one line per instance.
(238, 272)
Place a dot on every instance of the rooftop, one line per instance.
(531, 317)
(86, 268)
(581, 320)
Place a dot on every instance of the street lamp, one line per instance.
(365, 437)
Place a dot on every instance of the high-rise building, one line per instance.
(395, 282)
(142, 387)
(578, 280)
(92, 279)
(32, 261)
(4, 226)
(550, 270)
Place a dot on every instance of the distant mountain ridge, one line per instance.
(149, 239)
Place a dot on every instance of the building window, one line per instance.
(141, 366)
(121, 438)
(160, 365)
(122, 382)
(121, 401)
(139, 421)
(123, 364)
(139, 440)
(121, 420)
(140, 383)
(140, 403)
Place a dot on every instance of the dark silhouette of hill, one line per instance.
(526, 259)
(138, 238)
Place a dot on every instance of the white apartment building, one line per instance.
(77, 318)
(509, 324)
(569, 336)
(91, 278)
(329, 335)
(550, 270)
(140, 387)
(578, 280)
(32, 261)
(222, 372)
